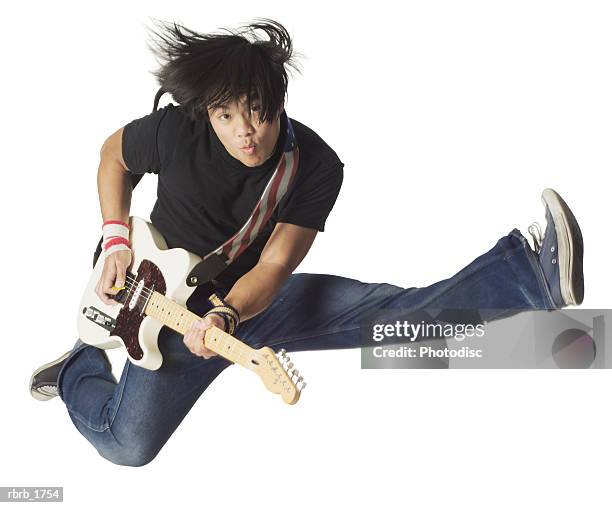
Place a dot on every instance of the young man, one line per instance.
(214, 154)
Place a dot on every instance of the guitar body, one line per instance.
(153, 267)
(155, 295)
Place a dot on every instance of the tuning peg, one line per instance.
(299, 379)
(302, 387)
(295, 372)
(289, 365)
(282, 352)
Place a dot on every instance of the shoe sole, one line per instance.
(570, 247)
(41, 396)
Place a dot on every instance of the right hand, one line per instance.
(116, 265)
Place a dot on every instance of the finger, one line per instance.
(102, 296)
(108, 282)
(190, 342)
(188, 338)
(106, 298)
(120, 278)
(107, 286)
(192, 330)
(115, 286)
(205, 324)
(201, 350)
(208, 353)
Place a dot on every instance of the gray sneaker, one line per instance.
(43, 383)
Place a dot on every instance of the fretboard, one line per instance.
(179, 318)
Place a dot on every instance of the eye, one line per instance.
(222, 115)
(256, 107)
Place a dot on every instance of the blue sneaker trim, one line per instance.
(549, 261)
(569, 248)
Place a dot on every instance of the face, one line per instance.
(236, 130)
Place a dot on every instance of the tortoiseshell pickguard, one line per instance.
(128, 321)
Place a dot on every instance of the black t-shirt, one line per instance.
(205, 195)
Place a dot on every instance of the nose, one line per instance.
(244, 126)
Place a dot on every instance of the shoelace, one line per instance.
(536, 233)
(49, 389)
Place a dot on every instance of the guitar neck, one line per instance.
(177, 317)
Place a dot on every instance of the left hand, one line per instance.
(194, 338)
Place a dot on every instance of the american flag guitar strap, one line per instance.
(218, 259)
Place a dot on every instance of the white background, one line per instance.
(451, 117)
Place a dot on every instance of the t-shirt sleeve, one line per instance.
(140, 145)
(313, 197)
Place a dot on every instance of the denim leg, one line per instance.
(129, 421)
(322, 311)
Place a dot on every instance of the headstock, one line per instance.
(278, 375)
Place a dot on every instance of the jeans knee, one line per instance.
(136, 454)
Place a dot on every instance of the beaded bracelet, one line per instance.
(226, 311)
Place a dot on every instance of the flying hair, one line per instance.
(210, 70)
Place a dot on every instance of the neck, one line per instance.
(179, 319)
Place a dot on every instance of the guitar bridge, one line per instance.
(100, 318)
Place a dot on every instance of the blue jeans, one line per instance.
(129, 421)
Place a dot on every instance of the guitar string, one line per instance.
(239, 351)
(144, 291)
(132, 282)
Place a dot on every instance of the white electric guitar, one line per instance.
(155, 295)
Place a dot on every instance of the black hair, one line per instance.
(210, 70)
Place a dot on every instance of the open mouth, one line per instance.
(249, 149)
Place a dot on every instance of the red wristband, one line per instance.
(117, 240)
(120, 222)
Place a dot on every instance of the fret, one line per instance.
(173, 313)
(150, 310)
(181, 327)
(167, 311)
(179, 318)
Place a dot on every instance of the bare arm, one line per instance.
(256, 289)
(114, 185)
(115, 193)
